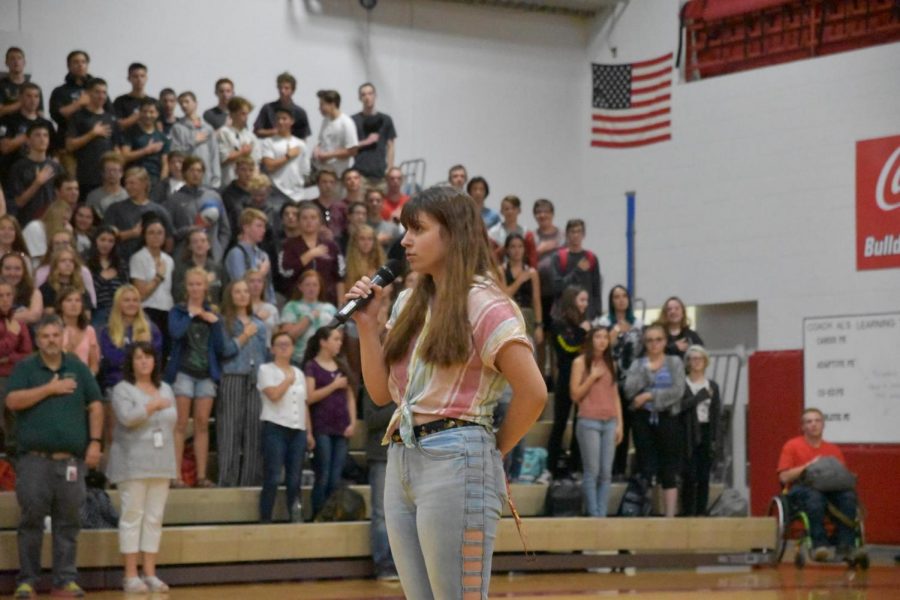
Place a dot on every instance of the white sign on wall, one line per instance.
(851, 371)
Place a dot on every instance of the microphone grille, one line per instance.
(391, 270)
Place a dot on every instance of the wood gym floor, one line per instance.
(786, 582)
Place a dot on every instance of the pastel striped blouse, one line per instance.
(467, 391)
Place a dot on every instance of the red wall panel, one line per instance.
(775, 405)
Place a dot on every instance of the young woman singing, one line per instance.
(451, 341)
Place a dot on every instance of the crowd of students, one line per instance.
(194, 265)
(618, 380)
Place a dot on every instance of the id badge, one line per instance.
(71, 473)
(157, 438)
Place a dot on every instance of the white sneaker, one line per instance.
(134, 585)
(155, 584)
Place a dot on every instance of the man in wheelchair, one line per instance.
(796, 456)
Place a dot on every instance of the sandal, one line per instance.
(205, 483)
(177, 484)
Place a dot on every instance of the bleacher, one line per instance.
(213, 535)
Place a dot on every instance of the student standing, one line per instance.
(456, 330)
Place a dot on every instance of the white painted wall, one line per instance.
(754, 198)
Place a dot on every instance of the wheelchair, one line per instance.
(793, 525)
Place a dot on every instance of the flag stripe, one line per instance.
(624, 131)
(636, 117)
(645, 142)
(652, 88)
(651, 101)
(652, 61)
(651, 75)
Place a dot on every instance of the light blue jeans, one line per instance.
(442, 503)
(597, 441)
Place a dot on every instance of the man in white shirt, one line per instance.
(338, 142)
(284, 157)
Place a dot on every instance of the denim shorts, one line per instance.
(194, 387)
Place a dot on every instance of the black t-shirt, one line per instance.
(215, 116)
(12, 126)
(64, 95)
(687, 334)
(266, 120)
(126, 105)
(126, 214)
(523, 296)
(371, 160)
(21, 176)
(166, 128)
(9, 91)
(235, 200)
(49, 295)
(90, 173)
(136, 139)
(17, 124)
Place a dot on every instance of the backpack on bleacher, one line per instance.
(98, 511)
(343, 505)
(189, 464)
(534, 461)
(564, 498)
(7, 477)
(730, 504)
(636, 501)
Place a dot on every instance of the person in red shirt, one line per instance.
(15, 344)
(796, 455)
(394, 198)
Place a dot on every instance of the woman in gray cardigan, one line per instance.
(654, 386)
(141, 462)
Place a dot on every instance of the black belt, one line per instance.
(420, 431)
(52, 455)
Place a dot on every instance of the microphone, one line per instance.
(383, 276)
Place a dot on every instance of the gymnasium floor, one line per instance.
(812, 583)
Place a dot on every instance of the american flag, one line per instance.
(632, 103)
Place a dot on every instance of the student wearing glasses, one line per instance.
(654, 386)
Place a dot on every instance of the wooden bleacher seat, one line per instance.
(279, 542)
(211, 506)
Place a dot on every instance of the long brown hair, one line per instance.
(230, 312)
(56, 219)
(663, 319)
(82, 319)
(568, 310)
(448, 340)
(25, 289)
(589, 352)
(18, 244)
(359, 264)
(75, 282)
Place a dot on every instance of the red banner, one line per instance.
(878, 203)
